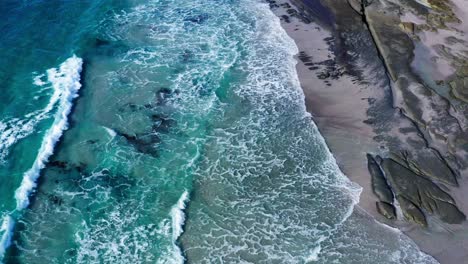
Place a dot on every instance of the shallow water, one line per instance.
(189, 141)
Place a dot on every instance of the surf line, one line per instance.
(65, 80)
(178, 220)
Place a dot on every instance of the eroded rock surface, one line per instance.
(421, 192)
(430, 149)
(379, 183)
(387, 210)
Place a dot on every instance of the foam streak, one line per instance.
(178, 221)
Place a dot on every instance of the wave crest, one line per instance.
(66, 83)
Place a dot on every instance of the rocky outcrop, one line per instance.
(379, 183)
(421, 193)
(387, 210)
(459, 84)
(420, 161)
(357, 5)
(412, 212)
(415, 192)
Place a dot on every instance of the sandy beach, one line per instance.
(341, 123)
(348, 91)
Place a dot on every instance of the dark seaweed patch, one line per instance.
(285, 18)
(105, 47)
(58, 164)
(272, 4)
(304, 57)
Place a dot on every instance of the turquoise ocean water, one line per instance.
(163, 131)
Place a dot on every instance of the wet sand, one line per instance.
(338, 107)
(340, 122)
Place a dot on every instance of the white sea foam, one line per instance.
(66, 83)
(178, 216)
(6, 230)
(259, 143)
(15, 129)
(111, 132)
(38, 80)
(178, 220)
(314, 254)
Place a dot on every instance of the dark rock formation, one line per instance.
(162, 124)
(413, 190)
(145, 143)
(412, 212)
(379, 183)
(387, 210)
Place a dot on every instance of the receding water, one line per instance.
(168, 131)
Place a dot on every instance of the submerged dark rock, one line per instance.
(162, 95)
(161, 123)
(187, 55)
(198, 19)
(104, 47)
(272, 4)
(323, 75)
(58, 164)
(144, 143)
(98, 42)
(64, 166)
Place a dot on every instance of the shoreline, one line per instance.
(347, 87)
(338, 122)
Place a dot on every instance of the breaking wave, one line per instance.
(66, 83)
